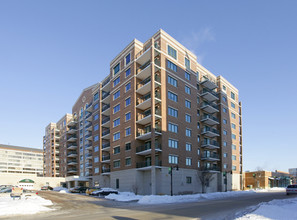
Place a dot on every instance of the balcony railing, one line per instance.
(106, 132)
(206, 104)
(71, 153)
(208, 129)
(143, 148)
(143, 115)
(105, 120)
(211, 168)
(105, 107)
(147, 164)
(204, 117)
(105, 95)
(210, 156)
(210, 91)
(89, 155)
(143, 82)
(106, 170)
(105, 82)
(105, 157)
(105, 145)
(210, 142)
(143, 98)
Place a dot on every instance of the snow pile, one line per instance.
(275, 209)
(31, 205)
(123, 197)
(154, 199)
(61, 190)
(274, 189)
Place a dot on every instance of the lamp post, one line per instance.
(170, 172)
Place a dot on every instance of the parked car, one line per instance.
(104, 192)
(92, 189)
(46, 188)
(16, 192)
(291, 189)
(78, 189)
(6, 190)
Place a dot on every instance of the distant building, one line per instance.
(293, 173)
(266, 179)
(25, 160)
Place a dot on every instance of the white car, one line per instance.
(291, 189)
(104, 192)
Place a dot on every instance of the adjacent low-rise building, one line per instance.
(157, 109)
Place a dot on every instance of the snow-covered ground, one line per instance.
(278, 209)
(61, 190)
(32, 205)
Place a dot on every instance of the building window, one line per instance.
(172, 143)
(127, 59)
(117, 183)
(116, 108)
(187, 103)
(116, 122)
(232, 96)
(128, 161)
(96, 96)
(116, 150)
(233, 136)
(188, 118)
(116, 95)
(224, 110)
(128, 72)
(116, 164)
(128, 131)
(234, 168)
(116, 136)
(96, 149)
(198, 164)
(198, 151)
(188, 147)
(198, 112)
(198, 100)
(187, 63)
(128, 87)
(198, 125)
(172, 112)
(233, 157)
(128, 146)
(233, 126)
(116, 81)
(188, 132)
(96, 159)
(172, 52)
(171, 66)
(116, 69)
(232, 105)
(187, 76)
(188, 180)
(225, 144)
(225, 121)
(224, 88)
(188, 161)
(173, 159)
(233, 147)
(225, 166)
(198, 138)
(97, 170)
(225, 132)
(233, 115)
(128, 116)
(225, 154)
(224, 99)
(172, 127)
(96, 106)
(128, 101)
(96, 117)
(172, 96)
(188, 90)
(172, 81)
(96, 138)
(96, 127)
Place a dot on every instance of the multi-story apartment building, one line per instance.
(21, 160)
(157, 109)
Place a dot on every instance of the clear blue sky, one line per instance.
(51, 50)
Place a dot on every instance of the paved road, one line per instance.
(77, 207)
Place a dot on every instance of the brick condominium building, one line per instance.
(158, 108)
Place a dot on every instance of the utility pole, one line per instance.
(170, 172)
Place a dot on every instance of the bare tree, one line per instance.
(135, 189)
(204, 178)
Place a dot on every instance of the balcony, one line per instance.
(105, 97)
(71, 162)
(72, 170)
(89, 117)
(89, 127)
(89, 155)
(72, 147)
(212, 169)
(72, 154)
(210, 144)
(106, 134)
(72, 138)
(208, 83)
(209, 95)
(88, 166)
(106, 109)
(144, 102)
(105, 159)
(72, 123)
(88, 137)
(210, 120)
(88, 124)
(106, 82)
(105, 171)
(89, 107)
(106, 122)
(88, 147)
(210, 157)
(210, 132)
(143, 56)
(144, 86)
(72, 131)
(210, 108)
(106, 147)
(146, 149)
(147, 165)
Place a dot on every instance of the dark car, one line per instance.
(47, 188)
(104, 192)
(78, 189)
(291, 189)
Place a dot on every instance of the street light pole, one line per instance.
(170, 172)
